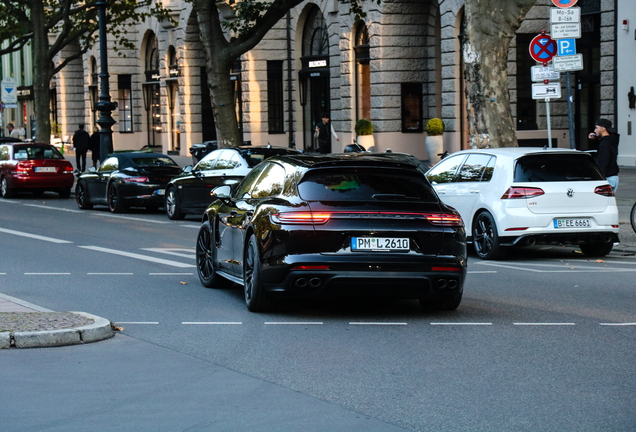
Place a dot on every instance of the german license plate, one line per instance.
(379, 244)
(44, 169)
(161, 191)
(572, 223)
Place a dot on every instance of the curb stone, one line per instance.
(99, 330)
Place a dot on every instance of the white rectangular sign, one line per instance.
(546, 91)
(565, 31)
(540, 73)
(570, 15)
(9, 93)
(568, 63)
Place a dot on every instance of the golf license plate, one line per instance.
(45, 169)
(379, 244)
(572, 223)
(161, 191)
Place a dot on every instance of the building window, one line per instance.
(125, 103)
(411, 107)
(275, 96)
(363, 73)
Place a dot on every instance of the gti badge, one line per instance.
(570, 193)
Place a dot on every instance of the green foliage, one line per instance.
(364, 127)
(435, 127)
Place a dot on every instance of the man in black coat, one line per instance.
(95, 148)
(607, 152)
(81, 140)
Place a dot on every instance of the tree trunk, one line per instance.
(489, 27)
(218, 64)
(42, 73)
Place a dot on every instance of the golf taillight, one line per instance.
(301, 217)
(445, 219)
(137, 179)
(605, 190)
(521, 192)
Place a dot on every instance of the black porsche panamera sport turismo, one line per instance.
(340, 225)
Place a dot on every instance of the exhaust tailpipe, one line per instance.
(441, 284)
(301, 282)
(453, 284)
(315, 282)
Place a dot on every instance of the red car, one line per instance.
(34, 167)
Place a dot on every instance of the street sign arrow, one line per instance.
(546, 91)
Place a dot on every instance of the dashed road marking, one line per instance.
(108, 215)
(211, 323)
(137, 322)
(174, 251)
(55, 208)
(379, 323)
(462, 323)
(34, 236)
(110, 274)
(47, 274)
(170, 274)
(618, 324)
(571, 268)
(138, 256)
(292, 323)
(544, 324)
(485, 271)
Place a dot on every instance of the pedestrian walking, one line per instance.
(81, 140)
(324, 132)
(13, 132)
(95, 148)
(607, 152)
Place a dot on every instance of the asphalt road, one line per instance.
(544, 340)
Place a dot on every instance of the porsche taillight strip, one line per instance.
(438, 219)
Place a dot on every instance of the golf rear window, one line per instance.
(556, 168)
(337, 184)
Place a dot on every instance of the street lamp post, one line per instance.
(105, 105)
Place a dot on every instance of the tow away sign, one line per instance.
(541, 73)
(546, 91)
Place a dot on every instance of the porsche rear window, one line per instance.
(556, 168)
(161, 161)
(365, 185)
(256, 156)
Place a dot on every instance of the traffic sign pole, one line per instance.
(547, 111)
(570, 110)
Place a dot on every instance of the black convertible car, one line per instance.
(124, 180)
(340, 225)
(190, 192)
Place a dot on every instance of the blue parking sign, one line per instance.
(566, 47)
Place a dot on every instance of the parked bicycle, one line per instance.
(632, 217)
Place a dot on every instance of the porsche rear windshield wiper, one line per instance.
(393, 197)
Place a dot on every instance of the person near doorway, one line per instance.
(607, 152)
(324, 132)
(81, 141)
(13, 132)
(95, 148)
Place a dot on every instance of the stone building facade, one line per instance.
(399, 67)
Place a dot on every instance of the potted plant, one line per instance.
(434, 140)
(364, 132)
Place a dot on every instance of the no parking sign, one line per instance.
(543, 48)
(564, 3)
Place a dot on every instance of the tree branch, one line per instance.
(16, 44)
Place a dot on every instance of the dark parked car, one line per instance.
(339, 225)
(33, 167)
(127, 180)
(190, 193)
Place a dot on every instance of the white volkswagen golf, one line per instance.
(526, 196)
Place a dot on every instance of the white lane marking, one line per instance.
(378, 323)
(544, 324)
(34, 236)
(190, 226)
(109, 274)
(485, 271)
(137, 322)
(618, 324)
(47, 274)
(170, 274)
(462, 323)
(212, 323)
(55, 208)
(137, 256)
(571, 268)
(129, 218)
(2, 273)
(292, 323)
(10, 201)
(174, 252)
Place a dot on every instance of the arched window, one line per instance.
(152, 92)
(315, 37)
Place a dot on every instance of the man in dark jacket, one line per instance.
(81, 140)
(607, 150)
(95, 148)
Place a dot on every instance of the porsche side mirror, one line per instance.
(222, 192)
